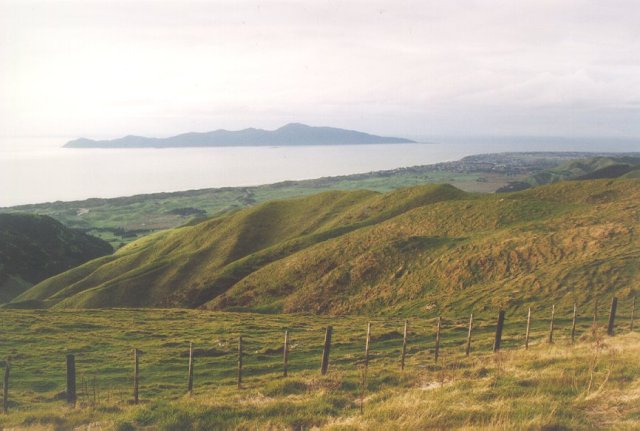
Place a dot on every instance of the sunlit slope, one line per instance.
(190, 265)
(419, 250)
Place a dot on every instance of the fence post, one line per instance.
(437, 349)
(5, 388)
(612, 316)
(240, 362)
(468, 349)
(526, 335)
(190, 375)
(404, 344)
(286, 353)
(595, 312)
(325, 351)
(553, 313)
(366, 346)
(498, 340)
(71, 379)
(573, 323)
(633, 313)
(136, 374)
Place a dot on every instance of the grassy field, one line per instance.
(594, 384)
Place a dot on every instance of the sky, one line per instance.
(104, 69)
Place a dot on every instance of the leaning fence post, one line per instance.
(612, 316)
(325, 351)
(526, 335)
(404, 344)
(71, 379)
(190, 375)
(468, 349)
(573, 323)
(286, 353)
(240, 362)
(5, 388)
(553, 313)
(437, 349)
(136, 374)
(498, 340)
(633, 313)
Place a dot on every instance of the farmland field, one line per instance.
(550, 385)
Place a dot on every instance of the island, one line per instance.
(293, 134)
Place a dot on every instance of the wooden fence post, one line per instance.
(573, 323)
(136, 374)
(240, 362)
(71, 379)
(553, 313)
(190, 375)
(595, 312)
(5, 388)
(633, 313)
(325, 351)
(404, 344)
(366, 346)
(499, 326)
(612, 316)
(526, 335)
(286, 353)
(468, 348)
(437, 349)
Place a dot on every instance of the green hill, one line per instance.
(588, 169)
(33, 248)
(599, 167)
(419, 250)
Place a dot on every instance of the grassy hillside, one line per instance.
(594, 384)
(624, 166)
(421, 250)
(33, 248)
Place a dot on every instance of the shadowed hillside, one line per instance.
(418, 250)
(33, 248)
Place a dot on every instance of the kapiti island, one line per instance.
(288, 135)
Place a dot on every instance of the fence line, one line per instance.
(71, 391)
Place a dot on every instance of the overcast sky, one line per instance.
(106, 69)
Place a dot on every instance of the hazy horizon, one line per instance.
(105, 69)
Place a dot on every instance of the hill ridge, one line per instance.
(412, 251)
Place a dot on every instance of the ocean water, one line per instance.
(35, 171)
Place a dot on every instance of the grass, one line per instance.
(594, 384)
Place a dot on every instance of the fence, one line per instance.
(325, 360)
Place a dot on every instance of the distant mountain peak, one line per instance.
(290, 126)
(292, 134)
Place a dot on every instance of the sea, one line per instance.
(38, 170)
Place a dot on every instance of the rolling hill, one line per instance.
(599, 167)
(290, 134)
(33, 248)
(419, 250)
